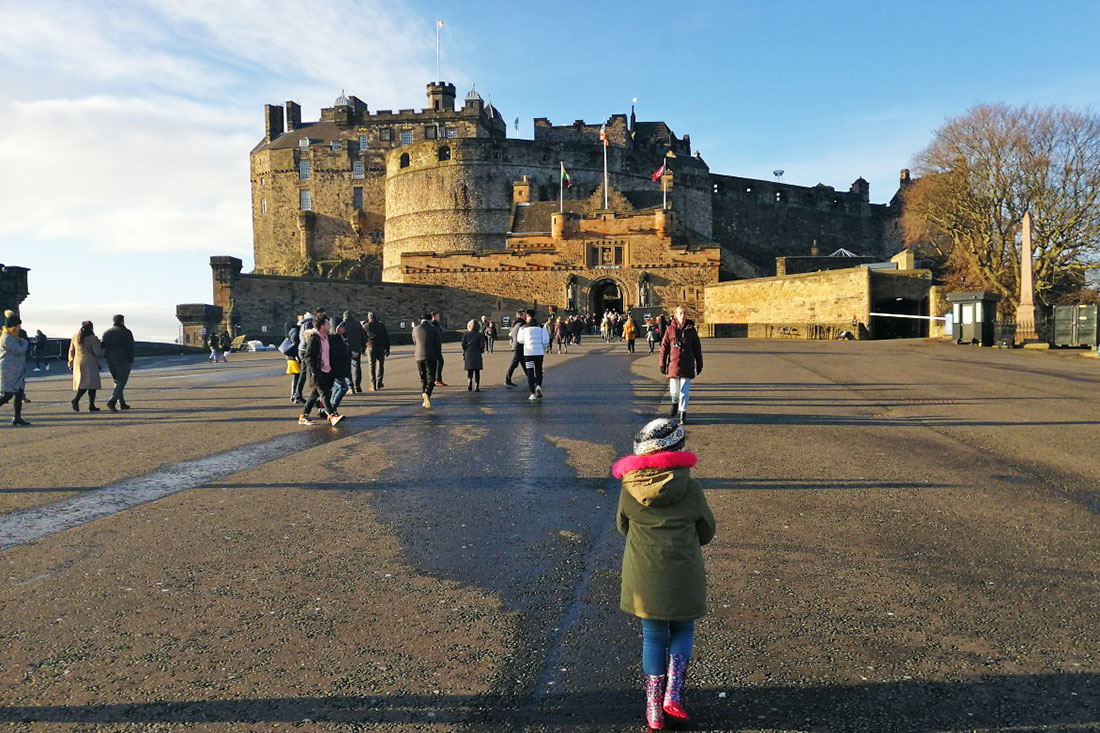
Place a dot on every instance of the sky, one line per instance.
(126, 125)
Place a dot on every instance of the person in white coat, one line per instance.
(534, 339)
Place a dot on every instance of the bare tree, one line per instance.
(982, 172)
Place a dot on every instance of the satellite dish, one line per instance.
(778, 173)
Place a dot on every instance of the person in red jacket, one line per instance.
(681, 360)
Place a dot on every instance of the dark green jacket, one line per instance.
(666, 520)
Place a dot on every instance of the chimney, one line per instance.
(521, 191)
(293, 115)
(273, 115)
(814, 252)
(904, 176)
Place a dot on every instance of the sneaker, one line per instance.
(303, 420)
(532, 398)
(427, 402)
(441, 384)
(538, 391)
(36, 369)
(334, 419)
(322, 414)
(509, 383)
(47, 367)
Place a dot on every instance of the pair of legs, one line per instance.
(377, 370)
(630, 345)
(473, 379)
(666, 649)
(652, 343)
(533, 366)
(439, 371)
(17, 405)
(517, 360)
(91, 400)
(679, 388)
(357, 371)
(321, 394)
(489, 340)
(121, 374)
(428, 371)
(340, 387)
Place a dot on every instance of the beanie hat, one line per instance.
(659, 435)
(12, 320)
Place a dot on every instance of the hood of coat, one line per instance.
(657, 479)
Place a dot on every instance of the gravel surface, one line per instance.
(907, 542)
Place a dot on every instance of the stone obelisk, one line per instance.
(1025, 311)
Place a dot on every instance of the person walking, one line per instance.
(490, 335)
(225, 343)
(427, 345)
(561, 335)
(13, 367)
(356, 338)
(212, 342)
(319, 374)
(651, 334)
(305, 326)
(666, 520)
(39, 353)
(84, 354)
(681, 360)
(439, 357)
(517, 348)
(341, 359)
(294, 363)
(630, 332)
(473, 347)
(118, 348)
(534, 340)
(378, 347)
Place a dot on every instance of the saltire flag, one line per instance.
(659, 172)
(565, 177)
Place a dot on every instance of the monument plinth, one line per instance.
(1026, 314)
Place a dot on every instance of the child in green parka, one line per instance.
(666, 520)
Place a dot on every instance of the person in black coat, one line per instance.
(378, 348)
(439, 356)
(356, 339)
(297, 381)
(426, 348)
(118, 349)
(473, 346)
(319, 374)
(340, 355)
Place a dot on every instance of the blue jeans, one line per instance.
(660, 639)
(340, 388)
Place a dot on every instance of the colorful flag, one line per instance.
(603, 136)
(439, 24)
(659, 172)
(565, 177)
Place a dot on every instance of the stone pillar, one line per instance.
(1025, 311)
(227, 270)
(197, 319)
(13, 287)
(557, 225)
(521, 191)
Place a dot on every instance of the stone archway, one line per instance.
(606, 294)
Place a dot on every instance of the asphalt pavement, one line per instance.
(907, 541)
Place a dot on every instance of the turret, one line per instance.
(441, 96)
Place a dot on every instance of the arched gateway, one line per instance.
(606, 294)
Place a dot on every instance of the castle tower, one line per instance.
(441, 96)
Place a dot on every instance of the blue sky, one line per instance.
(127, 124)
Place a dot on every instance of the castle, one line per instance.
(442, 198)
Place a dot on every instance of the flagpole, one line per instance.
(437, 49)
(603, 139)
(561, 188)
(664, 191)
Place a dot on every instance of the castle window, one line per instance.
(305, 200)
(362, 142)
(385, 134)
(716, 188)
(451, 133)
(780, 197)
(356, 169)
(336, 146)
(263, 180)
(429, 132)
(303, 169)
(357, 197)
(748, 189)
(263, 206)
(445, 153)
(404, 160)
(406, 137)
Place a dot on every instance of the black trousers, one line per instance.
(357, 371)
(439, 368)
(121, 374)
(428, 370)
(18, 396)
(517, 361)
(377, 369)
(321, 393)
(533, 367)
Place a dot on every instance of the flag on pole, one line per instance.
(565, 177)
(659, 172)
(439, 24)
(516, 123)
(603, 135)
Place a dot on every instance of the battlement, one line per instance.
(581, 132)
(855, 201)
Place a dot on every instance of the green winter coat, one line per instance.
(666, 520)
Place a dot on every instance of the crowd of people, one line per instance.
(85, 351)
